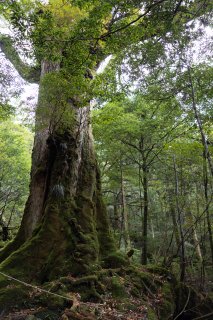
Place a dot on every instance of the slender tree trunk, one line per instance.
(180, 220)
(145, 215)
(199, 122)
(116, 217)
(65, 227)
(206, 156)
(195, 236)
(152, 229)
(144, 182)
(140, 193)
(175, 224)
(125, 215)
(117, 226)
(208, 219)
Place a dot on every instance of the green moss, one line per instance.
(86, 279)
(53, 302)
(143, 281)
(166, 290)
(167, 306)
(115, 260)
(12, 245)
(89, 287)
(118, 288)
(12, 295)
(48, 315)
(151, 315)
(158, 270)
(135, 292)
(2, 244)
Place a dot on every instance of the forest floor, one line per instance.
(118, 300)
(110, 309)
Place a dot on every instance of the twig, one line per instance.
(205, 316)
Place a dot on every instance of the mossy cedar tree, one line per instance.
(65, 229)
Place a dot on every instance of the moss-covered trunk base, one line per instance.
(71, 235)
(128, 292)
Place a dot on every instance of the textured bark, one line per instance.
(64, 227)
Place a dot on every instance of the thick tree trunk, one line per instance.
(64, 227)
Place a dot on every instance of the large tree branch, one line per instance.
(110, 32)
(193, 10)
(28, 73)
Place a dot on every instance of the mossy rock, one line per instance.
(115, 260)
(141, 280)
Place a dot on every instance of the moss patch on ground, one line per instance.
(125, 291)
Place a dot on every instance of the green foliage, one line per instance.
(15, 162)
(5, 111)
(55, 91)
(151, 131)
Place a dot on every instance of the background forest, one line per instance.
(152, 123)
(154, 147)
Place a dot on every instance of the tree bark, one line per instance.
(175, 224)
(144, 183)
(180, 220)
(125, 215)
(145, 219)
(195, 236)
(64, 229)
